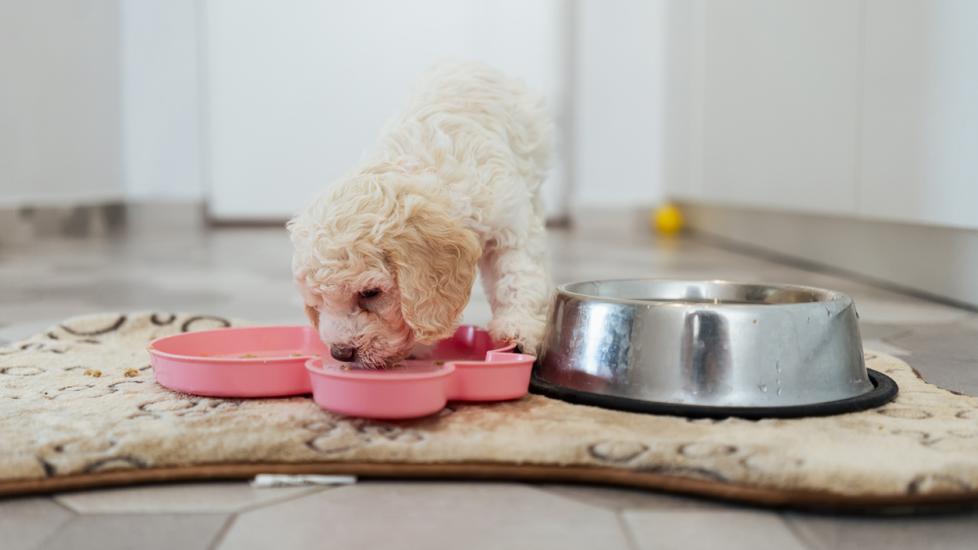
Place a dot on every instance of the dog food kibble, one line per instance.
(439, 363)
(94, 373)
(131, 373)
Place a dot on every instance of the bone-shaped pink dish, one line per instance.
(291, 360)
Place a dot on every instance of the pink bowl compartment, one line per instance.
(237, 362)
(466, 367)
(410, 391)
(500, 377)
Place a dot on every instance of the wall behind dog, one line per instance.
(160, 100)
(145, 100)
(60, 125)
(296, 93)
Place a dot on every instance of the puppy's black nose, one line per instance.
(343, 353)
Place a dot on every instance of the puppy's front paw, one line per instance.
(524, 331)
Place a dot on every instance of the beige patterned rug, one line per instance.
(79, 408)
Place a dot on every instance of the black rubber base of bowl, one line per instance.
(884, 390)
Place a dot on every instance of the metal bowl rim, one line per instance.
(832, 295)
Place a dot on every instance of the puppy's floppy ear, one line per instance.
(434, 258)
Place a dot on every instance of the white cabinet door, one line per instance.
(296, 91)
(773, 99)
(862, 109)
(919, 136)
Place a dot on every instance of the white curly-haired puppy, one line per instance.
(385, 259)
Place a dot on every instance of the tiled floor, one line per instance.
(244, 273)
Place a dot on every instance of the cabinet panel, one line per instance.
(780, 103)
(919, 138)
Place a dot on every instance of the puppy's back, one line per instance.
(451, 93)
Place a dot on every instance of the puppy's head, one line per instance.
(382, 265)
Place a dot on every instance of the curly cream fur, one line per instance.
(452, 187)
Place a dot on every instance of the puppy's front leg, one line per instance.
(519, 288)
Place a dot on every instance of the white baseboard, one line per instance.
(61, 199)
(937, 262)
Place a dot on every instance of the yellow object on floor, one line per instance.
(667, 219)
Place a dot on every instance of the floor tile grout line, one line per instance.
(280, 500)
(223, 531)
(796, 532)
(626, 530)
(54, 498)
(50, 535)
(889, 339)
(663, 508)
(247, 508)
(540, 489)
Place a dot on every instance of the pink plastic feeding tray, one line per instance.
(237, 362)
(283, 361)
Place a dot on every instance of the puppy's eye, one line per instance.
(369, 293)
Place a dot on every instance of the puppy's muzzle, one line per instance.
(343, 353)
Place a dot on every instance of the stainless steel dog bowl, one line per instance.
(707, 348)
